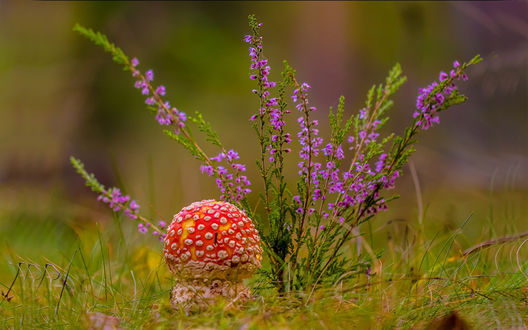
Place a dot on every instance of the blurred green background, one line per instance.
(60, 96)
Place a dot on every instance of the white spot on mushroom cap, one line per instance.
(179, 219)
(210, 248)
(174, 246)
(210, 211)
(190, 230)
(196, 217)
(230, 231)
(201, 227)
(180, 231)
(199, 243)
(235, 259)
(223, 208)
(188, 216)
(216, 215)
(214, 226)
(171, 233)
(222, 254)
(207, 218)
(199, 253)
(188, 241)
(244, 257)
(223, 220)
(240, 224)
(232, 243)
(208, 235)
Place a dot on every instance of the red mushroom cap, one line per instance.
(212, 239)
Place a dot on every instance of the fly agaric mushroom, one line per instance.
(211, 247)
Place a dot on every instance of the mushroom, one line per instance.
(211, 247)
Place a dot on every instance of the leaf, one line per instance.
(101, 40)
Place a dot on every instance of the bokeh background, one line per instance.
(60, 96)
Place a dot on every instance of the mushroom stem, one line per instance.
(198, 294)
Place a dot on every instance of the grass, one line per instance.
(75, 272)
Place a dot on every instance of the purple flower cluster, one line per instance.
(117, 201)
(431, 98)
(144, 228)
(268, 106)
(279, 137)
(166, 115)
(233, 186)
(353, 187)
(362, 181)
(308, 136)
(310, 143)
(260, 67)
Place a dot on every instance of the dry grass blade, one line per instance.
(493, 242)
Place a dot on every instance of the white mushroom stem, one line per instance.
(199, 293)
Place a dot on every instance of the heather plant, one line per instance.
(343, 180)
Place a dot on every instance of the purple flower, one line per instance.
(327, 150)
(142, 229)
(149, 75)
(160, 90)
(297, 198)
(219, 157)
(207, 169)
(231, 155)
(362, 114)
(339, 153)
(239, 167)
(134, 62)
